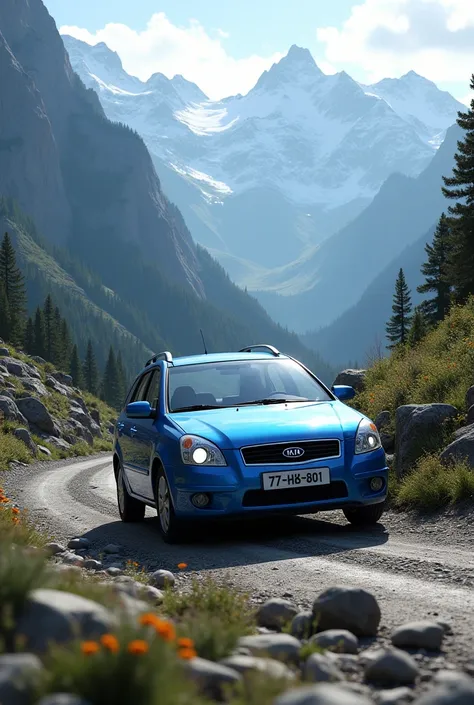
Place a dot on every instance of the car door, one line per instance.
(128, 432)
(144, 438)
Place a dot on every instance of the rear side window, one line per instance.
(153, 391)
(140, 390)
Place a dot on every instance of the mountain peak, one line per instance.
(300, 55)
(298, 62)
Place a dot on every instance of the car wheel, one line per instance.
(365, 516)
(171, 528)
(130, 509)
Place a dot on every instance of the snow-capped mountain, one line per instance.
(266, 176)
(419, 102)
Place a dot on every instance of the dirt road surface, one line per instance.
(416, 568)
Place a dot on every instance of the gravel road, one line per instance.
(417, 569)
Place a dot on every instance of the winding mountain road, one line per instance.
(414, 572)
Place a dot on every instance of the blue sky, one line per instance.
(225, 45)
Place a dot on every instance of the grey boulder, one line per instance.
(212, 679)
(276, 613)
(302, 625)
(10, 411)
(419, 635)
(24, 435)
(324, 694)
(38, 415)
(283, 647)
(391, 666)
(62, 378)
(52, 616)
(19, 674)
(254, 664)
(462, 448)
(339, 640)
(352, 378)
(353, 609)
(318, 668)
(417, 431)
(451, 688)
(162, 579)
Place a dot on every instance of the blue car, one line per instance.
(242, 434)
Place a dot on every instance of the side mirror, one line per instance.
(343, 392)
(139, 410)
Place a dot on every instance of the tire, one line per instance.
(365, 516)
(171, 528)
(131, 509)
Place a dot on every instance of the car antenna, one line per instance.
(203, 341)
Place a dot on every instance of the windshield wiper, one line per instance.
(272, 400)
(196, 407)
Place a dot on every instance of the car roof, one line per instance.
(224, 357)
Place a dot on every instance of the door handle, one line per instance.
(133, 430)
(120, 425)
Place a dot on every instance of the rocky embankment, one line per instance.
(44, 410)
(417, 429)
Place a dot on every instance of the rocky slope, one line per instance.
(321, 148)
(40, 407)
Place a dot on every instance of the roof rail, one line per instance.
(160, 356)
(267, 348)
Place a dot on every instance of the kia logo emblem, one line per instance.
(293, 452)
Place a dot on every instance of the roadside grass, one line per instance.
(213, 616)
(432, 485)
(11, 449)
(438, 369)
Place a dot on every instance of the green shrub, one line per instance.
(11, 448)
(214, 617)
(432, 485)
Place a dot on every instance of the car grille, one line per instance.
(300, 495)
(272, 453)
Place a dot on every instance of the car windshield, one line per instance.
(246, 382)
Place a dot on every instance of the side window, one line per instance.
(153, 392)
(140, 390)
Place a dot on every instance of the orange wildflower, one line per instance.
(15, 510)
(110, 642)
(166, 630)
(15, 520)
(149, 619)
(185, 643)
(4, 500)
(187, 654)
(182, 566)
(89, 647)
(138, 647)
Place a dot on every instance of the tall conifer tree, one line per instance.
(399, 324)
(14, 286)
(460, 187)
(90, 371)
(435, 270)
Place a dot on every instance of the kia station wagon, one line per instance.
(243, 434)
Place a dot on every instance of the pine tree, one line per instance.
(460, 187)
(40, 335)
(4, 314)
(418, 328)
(15, 293)
(58, 352)
(75, 368)
(49, 332)
(90, 371)
(399, 324)
(435, 271)
(111, 388)
(122, 378)
(66, 345)
(30, 337)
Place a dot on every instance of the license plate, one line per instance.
(295, 478)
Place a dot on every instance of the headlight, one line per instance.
(367, 437)
(198, 451)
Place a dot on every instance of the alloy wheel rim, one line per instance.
(164, 504)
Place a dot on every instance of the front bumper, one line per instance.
(238, 488)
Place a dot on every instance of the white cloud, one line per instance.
(190, 51)
(387, 38)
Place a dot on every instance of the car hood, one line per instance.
(251, 425)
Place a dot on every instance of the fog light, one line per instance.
(376, 484)
(200, 500)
